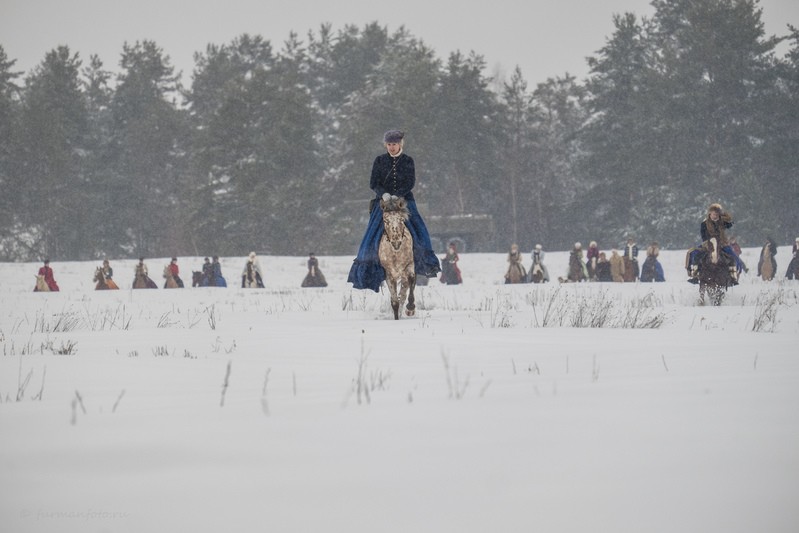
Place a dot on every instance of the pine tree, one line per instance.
(147, 133)
(52, 177)
(9, 148)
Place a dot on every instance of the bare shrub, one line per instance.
(456, 388)
(60, 322)
(766, 308)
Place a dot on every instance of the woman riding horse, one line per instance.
(714, 226)
(393, 174)
(141, 279)
(252, 277)
(49, 279)
(102, 277)
(793, 266)
(516, 272)
(538, 270)
(767, 265)
(652, 270)
(314, 278)
(172, 277)
(630, 257)
(577, 269)
(450, 273)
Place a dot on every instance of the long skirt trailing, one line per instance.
(366, 271)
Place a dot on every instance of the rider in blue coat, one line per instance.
(393, 174)
(652, 270)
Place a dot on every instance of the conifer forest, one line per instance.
(269, 146)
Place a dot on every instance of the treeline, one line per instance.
(271, 150)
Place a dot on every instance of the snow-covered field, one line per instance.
(496, 409)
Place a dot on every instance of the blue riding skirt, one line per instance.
(739, 265)
(366, 271)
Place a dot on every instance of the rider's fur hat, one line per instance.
(393, 136)
(714, 207)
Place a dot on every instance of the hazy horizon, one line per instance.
(545, 39)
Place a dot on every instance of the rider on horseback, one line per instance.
(450, 273)
(49, 278)
(537, 255)
(793, 266)
(393, 174)
(175, 272)
(714, 226)
(252, 275)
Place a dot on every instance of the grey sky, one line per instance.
(546, 38)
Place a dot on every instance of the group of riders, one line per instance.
(594, 265)
(621, 267)
(209, 276)
(717, 250)
(393, 178)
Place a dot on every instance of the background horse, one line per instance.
(143, 281)
(41, 284)
(196, 278)
(630, 269)
(251, 279)
(766, 268)
(516, 273)
(396, 255)
(577, 269)
(714, 273)
(170, 279)
(103, 283)
(793, 268)
(536, 273)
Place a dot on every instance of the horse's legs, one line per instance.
(395, 307)
(392, 289)
(410, 309)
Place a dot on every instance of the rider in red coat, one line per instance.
(49, 278)
(173, 268)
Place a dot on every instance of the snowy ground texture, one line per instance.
(594, 407)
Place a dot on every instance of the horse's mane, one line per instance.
(395, 204)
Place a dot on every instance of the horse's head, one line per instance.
(98, 274)
(41, 283)
(395, 213)
(394, 203)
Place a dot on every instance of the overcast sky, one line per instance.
(546, 38)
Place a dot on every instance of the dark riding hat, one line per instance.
(393, 136)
